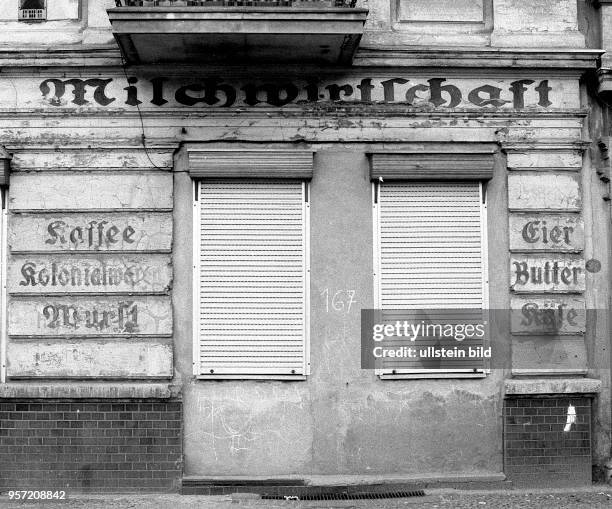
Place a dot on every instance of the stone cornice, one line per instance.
(96, 390)
(572, 61)
(526, 387)
(69, 56)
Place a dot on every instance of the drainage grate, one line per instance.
(347, 496)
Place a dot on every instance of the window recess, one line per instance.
(430, 249)
(251, 264)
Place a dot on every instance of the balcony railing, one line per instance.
(32, 14)
(236, 3)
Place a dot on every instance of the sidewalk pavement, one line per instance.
(592, 497)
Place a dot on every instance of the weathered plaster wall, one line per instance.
(596, 25)
(342, 419)
(503, 23)
(597, 339)
(64, 25)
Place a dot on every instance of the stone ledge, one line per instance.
(345, 480)
(87, 391)
(67, 55)
(527, 387)
(571, 60)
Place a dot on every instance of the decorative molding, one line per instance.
(514, 146)
(69, 56)
(296, 164)
(566, 61)
(573, 61)
(289, 112)
(552, 386)
(87, 390)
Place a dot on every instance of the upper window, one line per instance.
(251, 250)
(32, 10)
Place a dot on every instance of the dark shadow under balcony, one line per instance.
(321, 32)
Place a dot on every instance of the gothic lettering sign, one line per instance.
(110, 231)
(89, 273)
(549, 274)
(87, 317)
(546, 232)
(86, 274)
(227, 92)
(554, 315)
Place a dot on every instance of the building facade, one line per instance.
(203, 198)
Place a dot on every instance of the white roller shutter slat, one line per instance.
(430, 252)
(252, 277)
(405, 213)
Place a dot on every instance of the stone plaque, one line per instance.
(552, 273)
(111, 191)
(536, 15)
(113, 231)
(545, 159)
(554, 315)
(127, 359)
(546, 232)
(90, 316)
(443, 10)
(104, 274)
(543, 191)
(547, 356)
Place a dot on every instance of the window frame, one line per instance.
(3, 290)
(31, 20)
(386, 374)
(196, 186)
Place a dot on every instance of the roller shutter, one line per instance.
(431, 253)
(252, 277)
